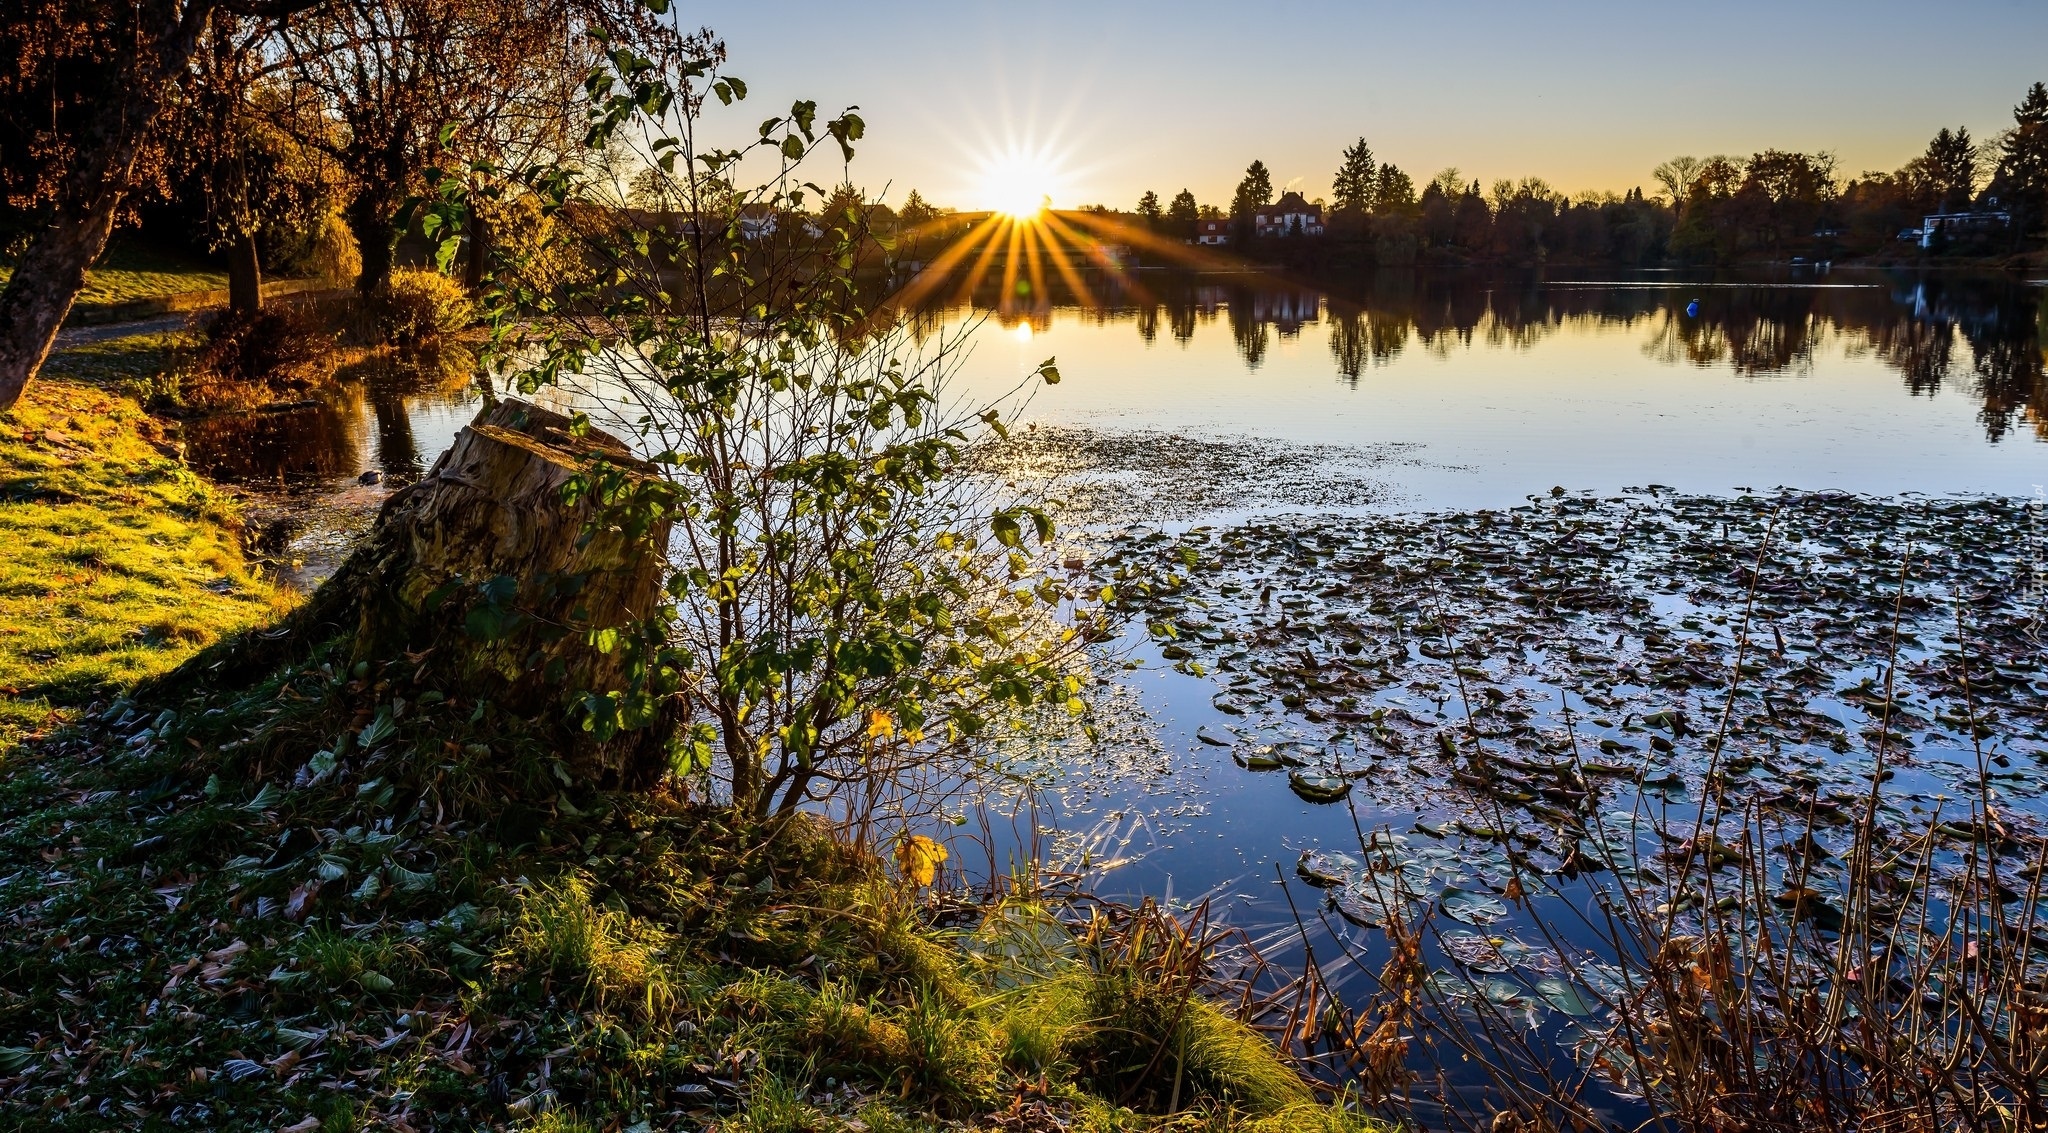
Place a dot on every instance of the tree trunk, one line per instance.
(245, 276)
(52, 272)
(369, 224)
(476, 258)
(46, 282)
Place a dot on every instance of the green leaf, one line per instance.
(1007, 530)
(377, 730)
(322, 764)
(1049, 372)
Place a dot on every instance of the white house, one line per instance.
(1289, 216)
(1944, 224)
(1212, 232)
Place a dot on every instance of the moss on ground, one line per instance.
(119, 562)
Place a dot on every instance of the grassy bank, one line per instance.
(336, 899)
(210, 925)
(119, 560)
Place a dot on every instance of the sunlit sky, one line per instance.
(1108, 98)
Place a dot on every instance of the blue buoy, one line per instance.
(1692, 309)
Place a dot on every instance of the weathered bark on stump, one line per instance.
(490, 516)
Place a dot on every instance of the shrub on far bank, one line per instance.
(419, 308)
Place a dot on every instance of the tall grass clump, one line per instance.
(420, 307)
(1150, 1036)
(610, 957)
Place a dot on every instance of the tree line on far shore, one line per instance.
(1720, 209)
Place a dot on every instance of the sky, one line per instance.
(1095, 102)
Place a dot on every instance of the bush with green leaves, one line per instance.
(850, 615)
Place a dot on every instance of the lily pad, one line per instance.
(1474, 908)
(1319, 788)
(1564, 997)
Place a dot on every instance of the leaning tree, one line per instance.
(82, 101)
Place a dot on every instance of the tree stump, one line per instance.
(484, 575)
(486, 567)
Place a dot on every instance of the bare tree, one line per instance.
(1677, 175)
(385, 86)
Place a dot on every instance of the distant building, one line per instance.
(1951, 224)
(1290, 216)
(1212, 232)
(758, 221)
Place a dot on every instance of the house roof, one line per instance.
(1294, 202)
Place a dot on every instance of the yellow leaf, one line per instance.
(919, 858)
(881, 725)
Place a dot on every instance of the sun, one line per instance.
(1019, 183)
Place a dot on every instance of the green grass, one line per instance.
(131, 271)
(134, 364)
(174, 911)
(120, 563)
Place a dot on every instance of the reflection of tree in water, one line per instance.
(1366, 337)
(1922, 350)
(282, 446)
(2007, 372)
(1908, 325)
(1249, 331)
(392, 382)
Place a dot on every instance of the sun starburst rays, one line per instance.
(1024, 240)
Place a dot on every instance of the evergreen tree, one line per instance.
(2022, 181)
(1394, 192)
(916, 211)
(1148, 210)
(1253, 193)
(1182, 214)
(1952, 163)
(1357, 179)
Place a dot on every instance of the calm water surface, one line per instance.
(1497, 388)
(1464, 391)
